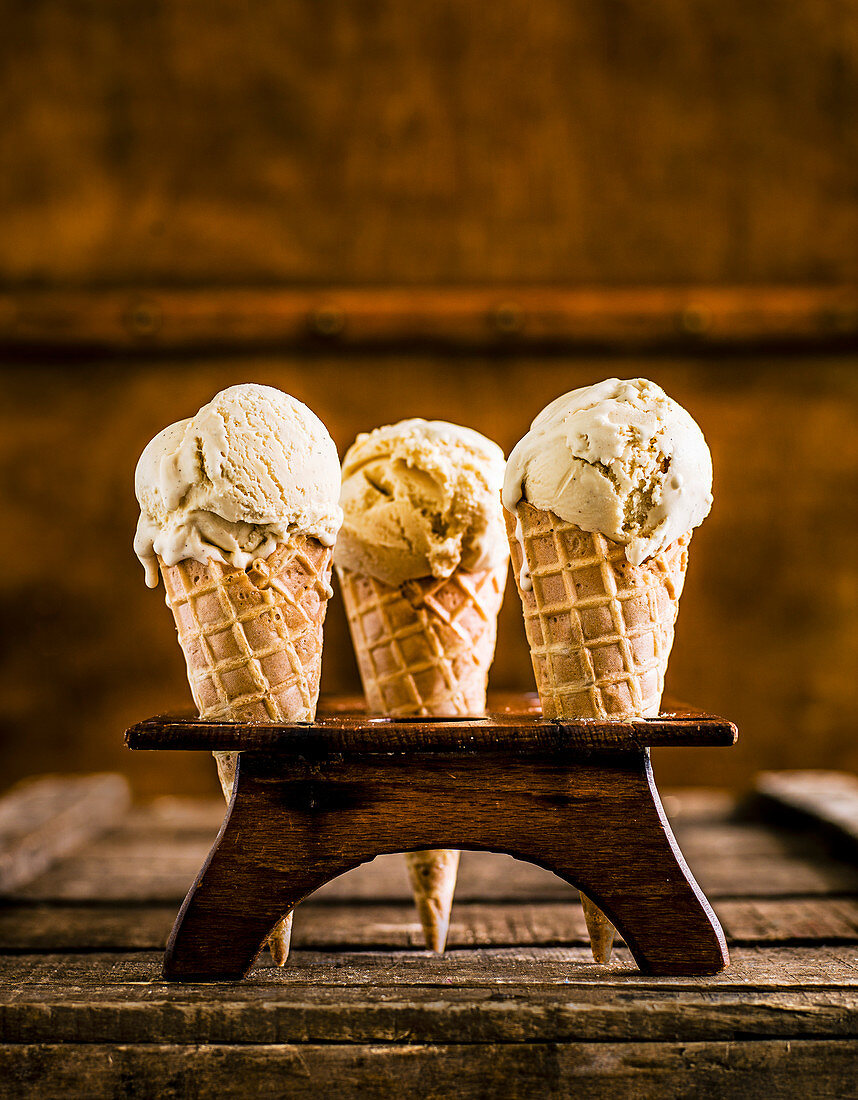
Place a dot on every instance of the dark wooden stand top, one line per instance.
(518, 727)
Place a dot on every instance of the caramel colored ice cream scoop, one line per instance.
(420, 499)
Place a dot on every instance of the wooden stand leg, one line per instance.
(631, 866)
(255, 874)
(294, 824)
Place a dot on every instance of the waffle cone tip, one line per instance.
(433, 883)
(600, 929)
(280, 940)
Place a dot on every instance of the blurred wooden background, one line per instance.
(443, 208)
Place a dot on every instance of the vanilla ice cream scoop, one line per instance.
(620, 458)
(251, 469)
(421, 499)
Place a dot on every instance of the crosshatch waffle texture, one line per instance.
(425, 647)
(600, 629)
(252, 641)
(252, 638)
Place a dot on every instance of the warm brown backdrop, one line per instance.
(307, 146)
(602, 141)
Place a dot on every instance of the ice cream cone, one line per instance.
(425, 648)
(600, 630)
(600, 930)
(433, 882)
(600, 498)
(252, 641)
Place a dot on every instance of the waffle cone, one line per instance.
(252, 641)
(252, 638)
(600, 629)
(425, 648)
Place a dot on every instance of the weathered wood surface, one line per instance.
(356, 924)
(824, 801)
(757, 968)
(778, 1070)
(44, 819)
(516, 1006)
(519, 733)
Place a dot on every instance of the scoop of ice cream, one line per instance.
(621, 458)
(421, 498)
(251, 469)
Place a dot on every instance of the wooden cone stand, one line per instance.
(312, 801)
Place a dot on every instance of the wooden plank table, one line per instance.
(516, 1008)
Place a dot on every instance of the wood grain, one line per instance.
(178, 818)
(518, 1070)
(508, 319)
(44, 819)
(823, 968)
(516, 733)
(296, 822)
(265, 1012)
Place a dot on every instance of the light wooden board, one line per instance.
(778, 1068)
(164, 874)
(341, 926)
(505, 996)
(45, 819)
(759, 968)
